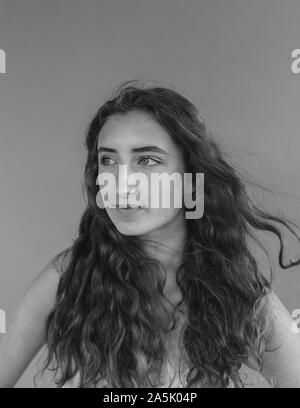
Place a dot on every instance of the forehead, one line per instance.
(134, 128)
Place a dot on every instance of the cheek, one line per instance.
(165, 194)
(159, 216)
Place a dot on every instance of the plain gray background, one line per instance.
(232, 58)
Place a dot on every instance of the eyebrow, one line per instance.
(135, 150)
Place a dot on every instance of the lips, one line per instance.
(127, 212)
(128, 207)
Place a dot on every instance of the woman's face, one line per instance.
(138, 141)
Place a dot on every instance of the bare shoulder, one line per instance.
(282, 352)
(40, 295)
(279, 317)
(41, 292)
(26, 325)
(60, 261)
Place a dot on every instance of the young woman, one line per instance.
(147, 297)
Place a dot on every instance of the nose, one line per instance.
(124, 188)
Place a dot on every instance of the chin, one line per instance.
(139, 224)
(127, 227)
(131, 230)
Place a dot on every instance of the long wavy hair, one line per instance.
(111, 317)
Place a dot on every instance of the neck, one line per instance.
(167, 246)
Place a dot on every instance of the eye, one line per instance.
(104, 162)
(150, 158)
(145, 159)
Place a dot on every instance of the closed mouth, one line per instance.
(127, 207)
(128, 211)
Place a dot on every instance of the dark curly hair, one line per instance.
(111, 316)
